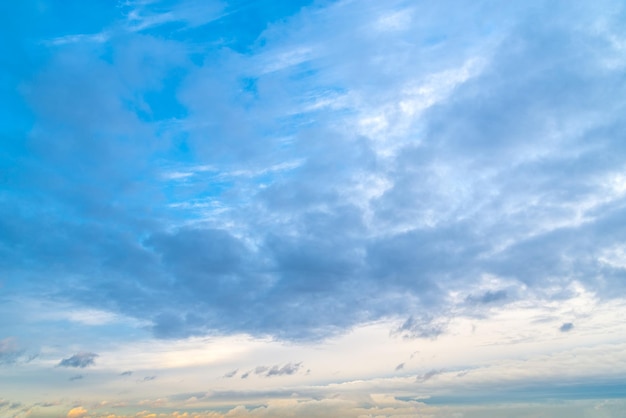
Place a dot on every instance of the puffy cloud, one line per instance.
(275, 370)
(77, 412)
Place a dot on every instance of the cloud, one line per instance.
(275, 370)
(77, 412)
(424, 327)
(79, 360)
(77, 377)
(428, 375)
(566, 327)
(432, 150)
(126, 373)
(231, 373)
(287, 369)
(142, 16)
(399, 367)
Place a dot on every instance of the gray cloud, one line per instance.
(276, 370)
(79, 360)
(422, 327)
(126, 373)
(566, 327)
(287, 369)
(231, 374)
(428, 375)
(260, 369)
(77, 377)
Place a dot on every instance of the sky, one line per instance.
(312, 208)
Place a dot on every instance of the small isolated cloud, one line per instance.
(400, 366)
(276, 370)
(287, 369)
(78, 412)
(566, 327)
(425, 327)
(126, 373)
(149, 378)
(77, 377)
(231, 374)
(4, 404)
(80, 360)
(428, 375)
(260, 369)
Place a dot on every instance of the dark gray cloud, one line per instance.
(566, 327)
(126, 373)
(400, 367)
(79, 360)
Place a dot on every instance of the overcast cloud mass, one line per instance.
(318, 208)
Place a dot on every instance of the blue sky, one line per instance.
(345, 208)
